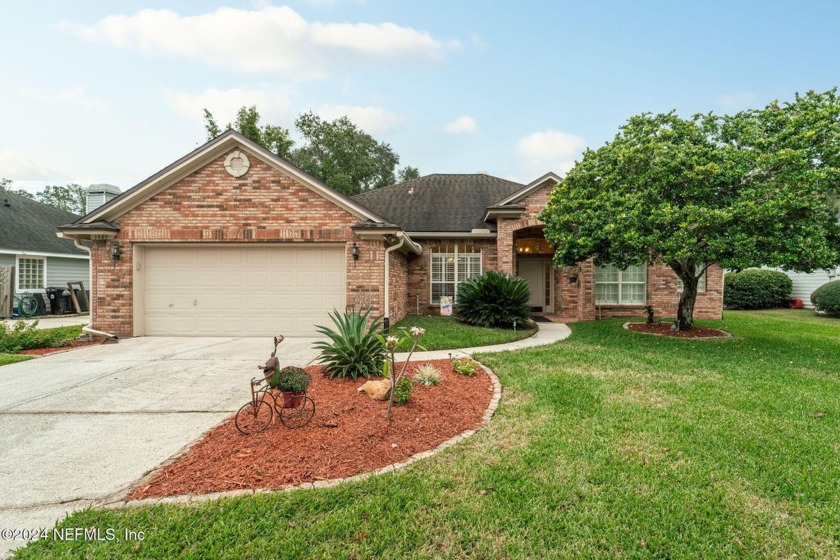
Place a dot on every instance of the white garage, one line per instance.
(237, 290)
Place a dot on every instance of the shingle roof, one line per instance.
(28, 225)
(440, 202)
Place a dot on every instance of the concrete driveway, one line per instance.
(80, 427)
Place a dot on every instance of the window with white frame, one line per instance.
(31, 273)
(622, 287)
(452, 263)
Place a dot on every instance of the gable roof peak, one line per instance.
(227, 140)
(529, 188)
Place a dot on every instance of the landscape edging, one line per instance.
(200, 498)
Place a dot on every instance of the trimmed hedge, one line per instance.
(826, 298)
(756, 288)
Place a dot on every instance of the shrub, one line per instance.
(826, 298)
(494, 299)
(463, 366)
(355, 350)
(293, 379)
(402, 391)
(23, 337)
(756, 288)
(427, 374)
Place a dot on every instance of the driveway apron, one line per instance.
(79, 427)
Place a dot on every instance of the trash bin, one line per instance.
(59, 300)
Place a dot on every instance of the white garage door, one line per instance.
(240, 291)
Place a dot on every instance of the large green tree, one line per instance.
(71, 197)
(344, 156)
(273, 138)
(6, 186)
(739, 191)
(337, 152)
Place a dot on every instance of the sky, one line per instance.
(112, 92)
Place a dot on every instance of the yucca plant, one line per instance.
(494, 299)
(427, 374)
(354, 350)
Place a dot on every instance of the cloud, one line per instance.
(265, 39)
(737, 101)
(75, 96)
(18, 167)
(224, 104)
(549, 150)
(372, 120)
(462, 125)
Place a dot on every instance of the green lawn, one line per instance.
(611, 444)
(444, 333)
(12, 358)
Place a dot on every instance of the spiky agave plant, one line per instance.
(354, 349)
(494, 299)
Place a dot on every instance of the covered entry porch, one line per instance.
(533, 263)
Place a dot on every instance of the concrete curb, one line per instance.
(188, 499)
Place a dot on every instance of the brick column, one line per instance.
(504, 245)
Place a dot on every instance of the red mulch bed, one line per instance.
(71, 346)
(664, 329)
(361, 440)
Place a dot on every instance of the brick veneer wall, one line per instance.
(210, 206)
(577, 301)
(661, 294)
(419, 274)
(399, 300)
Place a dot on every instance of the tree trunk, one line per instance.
(685, 309)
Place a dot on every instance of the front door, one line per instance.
(533, 272)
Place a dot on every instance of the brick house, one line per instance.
(233, 240)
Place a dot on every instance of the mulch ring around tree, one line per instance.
(348, 435)
(664, 329)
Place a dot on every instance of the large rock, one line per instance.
(377, 389)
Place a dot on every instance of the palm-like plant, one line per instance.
(354, 350)
(494, 299)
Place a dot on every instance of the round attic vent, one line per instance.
(237, 164)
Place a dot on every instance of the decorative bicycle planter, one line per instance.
(292, 406)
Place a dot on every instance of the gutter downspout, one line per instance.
(386, 321)
(87, 329)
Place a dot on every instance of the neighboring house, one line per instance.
(28, 242)
(804, 283)
(233, 240)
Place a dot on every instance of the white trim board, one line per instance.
(40, 254)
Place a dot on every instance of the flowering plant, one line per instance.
(406, 339)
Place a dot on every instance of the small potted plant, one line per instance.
(292, 383)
